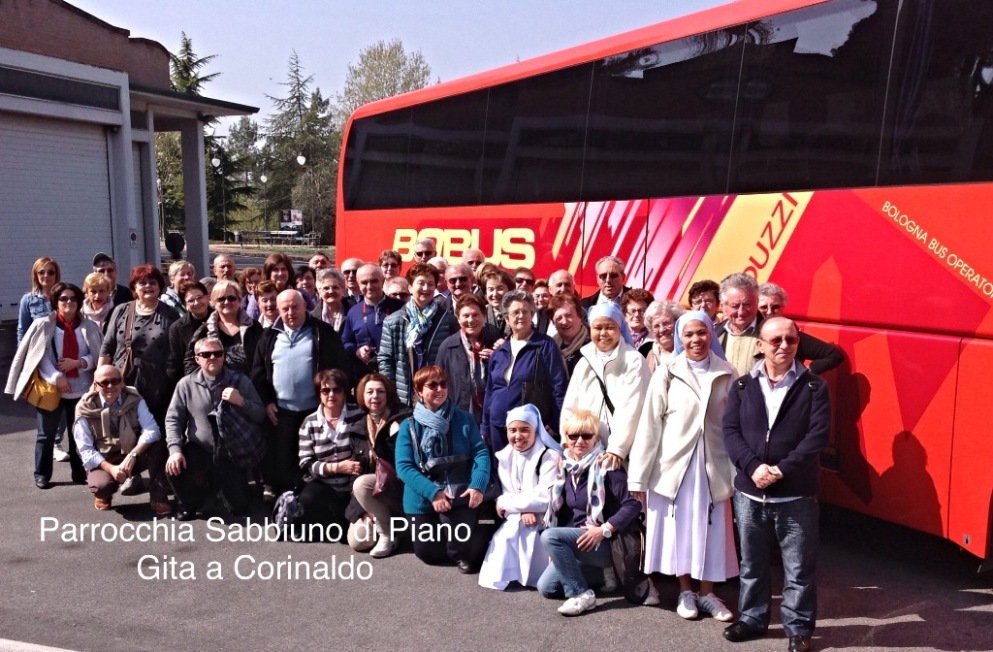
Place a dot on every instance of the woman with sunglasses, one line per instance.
(680, 470)
(64, 349)
(588, 505)
(228, 323)
(334, 451)
(445, 467)
(37, 303)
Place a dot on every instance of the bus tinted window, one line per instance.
(535, 134)
(446, 151)
(376, 161)
(941, 94)
(811, 98)
(660, 122)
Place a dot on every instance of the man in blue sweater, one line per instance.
(776, 424)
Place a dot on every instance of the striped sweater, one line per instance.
(319, 445)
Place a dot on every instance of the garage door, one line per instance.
(54, 200)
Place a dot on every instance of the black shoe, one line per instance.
(799, 643)
(742, 631)
(42, 483)
(186, 515)
(465, 567)
(79, 479)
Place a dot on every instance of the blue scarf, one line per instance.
(434, 437)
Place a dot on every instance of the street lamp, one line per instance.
(265, 202)
(216, 162)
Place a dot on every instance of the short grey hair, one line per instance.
(516, 295)
(740, 281)
(204, 341)
(178, 266)
(427, 242)
(658, 308)
(610, 259)
(325, 274)
(461, 267)
(397, 284)
(773, 290)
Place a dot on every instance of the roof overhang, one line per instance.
(169, 105)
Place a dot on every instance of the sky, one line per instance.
(253, 39)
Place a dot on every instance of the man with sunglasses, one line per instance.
(212, 431)
(117, 438)
(350, 270)
(610, 279)
(775, 426)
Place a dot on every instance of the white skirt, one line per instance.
(684, 537)
(515, 554)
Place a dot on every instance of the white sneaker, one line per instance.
(716, 608)
(583, 602)
(59, 455)
(686, 607)
(609, 580)
(653, 599)
(384, 547)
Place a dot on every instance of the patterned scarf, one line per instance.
(477, 371)
(596, 493)
(70, 345)
(434, 438)
(418, 323)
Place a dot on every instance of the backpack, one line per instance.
(287, 510)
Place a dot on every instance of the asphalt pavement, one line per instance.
(67, 584)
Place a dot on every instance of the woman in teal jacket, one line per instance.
(445, 467)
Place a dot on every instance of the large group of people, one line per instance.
(538, 427)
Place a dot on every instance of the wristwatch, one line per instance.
(607, 533)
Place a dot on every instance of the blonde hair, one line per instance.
(576, 422)
(178, 266)
(97, 279)
(40, 264)
(221, 289)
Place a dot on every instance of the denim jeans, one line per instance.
(566, 573)
(48, 424)
(792, 525)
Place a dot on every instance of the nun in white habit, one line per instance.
(528, 467)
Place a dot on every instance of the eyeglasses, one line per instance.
(207, 355)
(776, 342)
(424, 254)
(349, 272)
(585, 436)
(226, 299)
(388, 264)
(608, 275)
(703, 302)
(195, 299)
(634, 312)
(105, 270)
(331, 390)
(458, 280)
(46, 272)
(437, 384)
(524, 281)
(110, 382)
(68, 299)
(403, 296)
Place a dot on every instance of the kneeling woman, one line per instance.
(588, 506)
(445, 467)
(334, 451)
(528, 467)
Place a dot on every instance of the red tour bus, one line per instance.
(842, 149)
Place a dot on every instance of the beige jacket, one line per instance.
(32, 349)
(676, 415)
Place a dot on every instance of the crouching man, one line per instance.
(117, 438)
(213, 434)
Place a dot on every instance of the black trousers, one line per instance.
(433, 546)
(203, 477)
(281, 465)
(324, 505)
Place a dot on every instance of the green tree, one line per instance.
(383, 70)
(186, 68)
